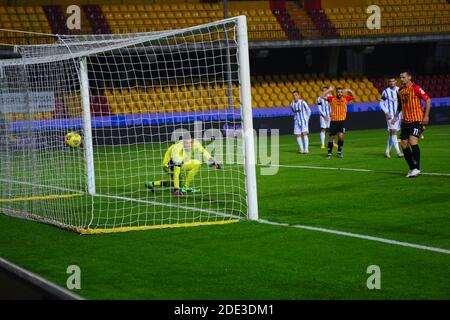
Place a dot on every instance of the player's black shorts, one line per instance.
(337, 127)
(411, 129)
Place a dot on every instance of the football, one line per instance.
(73, 139)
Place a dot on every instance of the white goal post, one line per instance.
(166, 125)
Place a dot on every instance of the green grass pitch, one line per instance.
(249, 260)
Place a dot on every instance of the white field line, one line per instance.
(41, 185)
(168, 205)
(126, 199)
(443, 174)
(359, 236)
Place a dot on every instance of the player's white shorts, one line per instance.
(395, 126)
(324, 123)
(303, 127)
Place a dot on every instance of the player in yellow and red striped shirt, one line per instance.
(410, 98)
(338, 106)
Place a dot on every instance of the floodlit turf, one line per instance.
(248, 260)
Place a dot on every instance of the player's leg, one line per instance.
(191, 168)
(301, 148)
(394, 142)
(340, 141)
(298, 135)
(332, 133)
(413, 141)
(176, 181)
(387, 153)
(328, 126)
(160, 183)
(404, 143)
(322, 137)
(323, 129)
(305, 141)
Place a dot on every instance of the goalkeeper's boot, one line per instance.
(150, 185)
(189, 190)
(178, 193)
(322, 146)
(335, 145)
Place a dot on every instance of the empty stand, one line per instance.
(435, 85)
(129, 18)
(29, 18)
(398, 18)
(302, 20)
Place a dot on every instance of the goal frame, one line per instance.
(248, 134)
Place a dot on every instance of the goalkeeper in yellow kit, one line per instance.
(183, 158)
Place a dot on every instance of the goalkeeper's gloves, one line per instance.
(214, 164)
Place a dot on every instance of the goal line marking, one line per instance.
(153, 227)
(357, 235)
(48, 197)
(442, 174)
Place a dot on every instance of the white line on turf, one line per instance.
(443, 174)
(167, 205)
(126, 199)
(359, 236)
(40, 185)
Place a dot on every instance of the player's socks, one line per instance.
(340, 145)
(394, 142)
(300, 144)
(416, 156)
(306, 143)
(330, 147)
(388, 145)
(409, 157)
(322, 138)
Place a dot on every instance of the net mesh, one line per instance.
(146, 92)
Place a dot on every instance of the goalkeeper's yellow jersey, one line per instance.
(177, 153)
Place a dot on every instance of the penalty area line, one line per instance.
(441, 174)
(357, 235)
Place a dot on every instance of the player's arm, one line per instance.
(307, 109)
(177, 160)
(293, 109)
(321, 107)
(327, 92)
(399, 109)
(206, 155)
(352, 95)
(426, 116)
(424, 96)
(383, 105)
(321, 102)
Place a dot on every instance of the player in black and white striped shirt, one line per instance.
(389, 105)
(325, 117)
(302, 112)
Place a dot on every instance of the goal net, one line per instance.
(165, 122)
